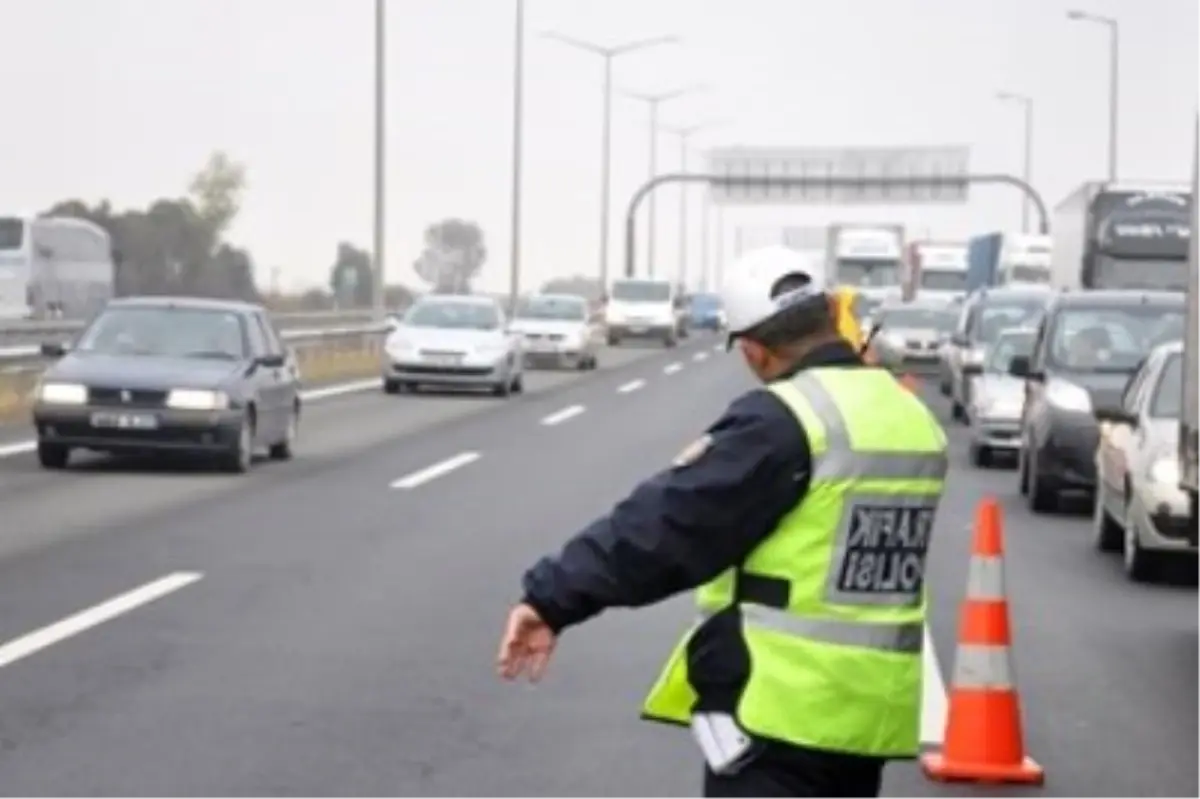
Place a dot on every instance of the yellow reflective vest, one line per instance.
(837, 664)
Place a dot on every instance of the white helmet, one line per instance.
(750, 294)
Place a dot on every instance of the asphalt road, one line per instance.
(328, 626)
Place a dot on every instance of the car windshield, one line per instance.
(641, 291)
(566, 309)
(868, 273)
(166, 331)
(1007, 347)
(996, 317)
(1111, 339)
(1168, 394)
(944, 280)
(454, 315)
(1024, 273)
(916, 319)
(705, 302)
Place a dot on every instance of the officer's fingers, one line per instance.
(536, 665)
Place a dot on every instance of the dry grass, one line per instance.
(331, 363)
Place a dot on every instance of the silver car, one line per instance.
(982, 318)
(1140, 508)
(997, 399)
(557, 331)
(457, 342)
(909, 334)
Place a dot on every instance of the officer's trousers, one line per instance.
(781, 770)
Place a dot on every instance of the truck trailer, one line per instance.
(1122, 236)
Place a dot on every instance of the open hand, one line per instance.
(526, 646)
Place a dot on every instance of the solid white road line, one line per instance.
(38, 640)
(309, 395)
(632, 385)
(934, 706)
(672, 368)
(558, 417)
(435, 471)
(699, 356)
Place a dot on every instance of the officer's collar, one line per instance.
(833, 353)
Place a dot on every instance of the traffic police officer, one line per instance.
(804, 517)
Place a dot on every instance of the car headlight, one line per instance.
(998, 409)
(497, 348)
(63, 393)
(1068, 397)
(192, 399)
(1165, 471)
(893, 340)
(973, 356)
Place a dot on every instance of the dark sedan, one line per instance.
(1087, 347)
(201, 377)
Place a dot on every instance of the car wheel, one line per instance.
(518, 384)
(241, 452)
(944, 387)
(670, 341)
(285, 449)
(1141, 566)
(1022, 472)
(53, 456)
(958, 413)
(1043, 496)
(613, 341)
(593, 363)
(980, 456)
(1106, 532)
(502, 389)
(583, 364)
(391, 386)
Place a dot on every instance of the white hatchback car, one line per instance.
(557, 331)
(1140, 509)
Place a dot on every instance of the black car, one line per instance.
(162, 374)
(1087, 346)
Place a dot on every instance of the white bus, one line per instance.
(54, 267)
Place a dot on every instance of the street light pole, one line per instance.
(684, 134)
(1026, 104)
(609, 54)
(654, 101)
(514, 280)
(1114, 79)
(379, 244)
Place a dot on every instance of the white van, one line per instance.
(642, 308)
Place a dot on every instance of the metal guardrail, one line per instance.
(28, 357)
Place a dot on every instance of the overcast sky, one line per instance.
(124, 99)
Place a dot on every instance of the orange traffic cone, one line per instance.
(983, 732)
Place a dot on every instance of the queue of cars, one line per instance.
(1082, 391)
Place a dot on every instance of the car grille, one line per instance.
(126, 398)
(456, 354)
(545, 337)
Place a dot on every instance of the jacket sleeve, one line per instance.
(685, 525)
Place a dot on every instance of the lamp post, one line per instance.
(654, 102)
(1026, 104)
(1113, 78)
(684, 135)
(608, 54)
(377, 298)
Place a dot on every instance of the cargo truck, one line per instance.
(935, 270)
(866, 258)
(1122, 235)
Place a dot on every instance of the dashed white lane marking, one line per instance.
(558, 417)
(96, 615)
(718, 347)
(934, 707)
(699, 356)
(672, 368)
(435, 471)
(632, 385)
(309, 395)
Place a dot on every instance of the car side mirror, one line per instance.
(959, 340)
(271, 361)
(1019, 366)
(53, 349)
(972, 369)
(1115, 416)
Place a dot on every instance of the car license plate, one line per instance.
(637, 328)
(125, 421)
(445, 360)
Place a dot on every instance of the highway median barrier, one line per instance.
(323, 356)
